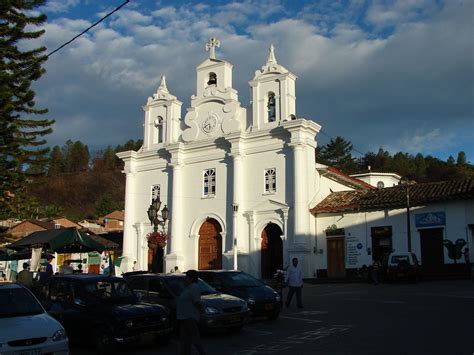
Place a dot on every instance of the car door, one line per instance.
(62, 307)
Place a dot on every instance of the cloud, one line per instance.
(58, 6)
(370, 86)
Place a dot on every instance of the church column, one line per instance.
(238, 186)
(129, 242)
(299, 186)
(177, 209)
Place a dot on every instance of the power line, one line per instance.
(87, 29)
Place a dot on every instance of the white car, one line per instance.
(25, 327)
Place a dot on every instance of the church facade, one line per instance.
(238, 183)
(244, 191)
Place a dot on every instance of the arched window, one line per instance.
(271, 107)
(209, 183)
(159, 129)
(155, 192)
(270, 181)
(212, 79)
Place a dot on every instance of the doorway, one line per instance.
(432, 254)
(336, 255)
(155, 259)
(271, 250)
(210, 245)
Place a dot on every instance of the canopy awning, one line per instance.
(63, 240)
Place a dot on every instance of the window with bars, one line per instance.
(155, 192)
(270, 180)
(209, 182)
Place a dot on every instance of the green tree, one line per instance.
(22, 145)
(461, 159)
(450, 161)
(105, 204)
(56, 163)
(337, 153)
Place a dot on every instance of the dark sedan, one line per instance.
(262, 300)
(102, 310)
(220, 311)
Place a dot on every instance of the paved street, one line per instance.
(425, 318)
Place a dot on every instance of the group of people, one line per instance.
(25, 276)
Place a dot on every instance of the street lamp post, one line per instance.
(153, 214)
(406, 183)
(154, 217)
(235, 209)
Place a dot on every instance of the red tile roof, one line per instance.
(395, 197)
(337, 175)
(119, 215)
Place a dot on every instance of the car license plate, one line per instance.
(30, 352)
(269, 307)
(234, 319)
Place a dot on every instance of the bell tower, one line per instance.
(273, 94)
(215, 110)
(162, 115)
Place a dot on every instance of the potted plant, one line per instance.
(156, 239)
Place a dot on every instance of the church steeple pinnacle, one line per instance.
(271, 55)
(163, 86)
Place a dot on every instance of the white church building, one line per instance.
(241, 185)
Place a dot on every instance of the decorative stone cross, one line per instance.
(211, 47)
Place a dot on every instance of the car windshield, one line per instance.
(107, 291)
(177, 285)
(397, 258)
(240, 279)
(16, 302)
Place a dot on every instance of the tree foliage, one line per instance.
(419, 168)
(23, 152)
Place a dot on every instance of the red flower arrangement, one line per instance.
(156, 238)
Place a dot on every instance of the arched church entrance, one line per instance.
(210, 245)
(272, 250)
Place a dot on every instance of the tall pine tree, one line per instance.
(22, 146)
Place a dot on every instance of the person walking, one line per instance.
(188, 308)
(46, 269)
(25, 276)
(294, 279)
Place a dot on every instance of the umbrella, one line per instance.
(23, 254)
(63, 240)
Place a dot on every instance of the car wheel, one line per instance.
(235, 329)
(274, 316)
(104, 342)
(162, 340)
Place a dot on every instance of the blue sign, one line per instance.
(430, 219)
(359, 246)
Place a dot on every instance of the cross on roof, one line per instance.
(211, 47)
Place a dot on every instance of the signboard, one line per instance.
(353, 251)
(430, 219)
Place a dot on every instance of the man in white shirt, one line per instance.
(294, 279)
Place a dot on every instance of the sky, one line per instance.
(397, 75)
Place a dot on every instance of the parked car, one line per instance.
(262, 300)
(26, 328)
(103, 309)
(219, 311)
(403, 265)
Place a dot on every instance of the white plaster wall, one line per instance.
(457, 213)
